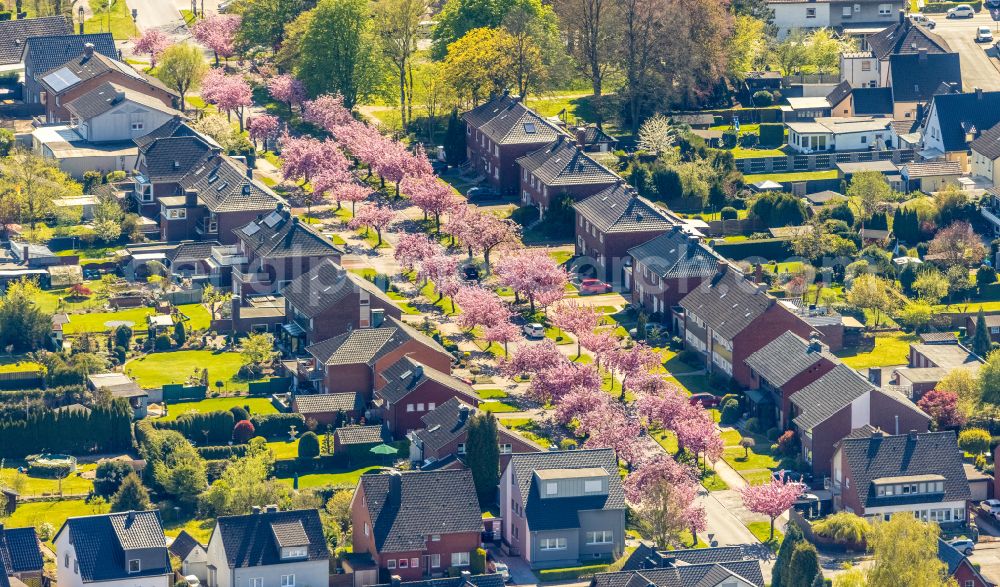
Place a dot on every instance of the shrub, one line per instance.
(109, 475)
(753, 425)
(223, 452)
(567, 444)
(749, 140)
(239, 413)
(974, 440)
(730, 412)
(243, 431)
(273, 425)
(49, 470)
(477, 561)
(163, 342)
(986, 275)
(91, 179)
(772, 135)
(729, 139)
(123, 335)
(571, 573)
(691, 358)
(308, 446)
(729, 213)
(762, 98)
(843, 528)
(121, 354)
(788, 443)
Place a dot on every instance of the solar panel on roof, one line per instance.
(272, 219)
(250, 229)
(61, 79)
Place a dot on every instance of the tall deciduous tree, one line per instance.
(873, 293)
(868, 193)
(263, 21)
(593, 34)
(396, 24)
(771, 499)
(338, 53)
(181, 68)
(905, 554)
(665, 493)
(642, 23)
(482, 454)
(958, 244)
(374, 216)
(481, 64)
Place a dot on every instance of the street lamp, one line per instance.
(80, 17)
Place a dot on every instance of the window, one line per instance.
(390, 564)
(404, 563)
(810, 13)
(970, 584)
(592, 486)
(366, 528)
(137, 125)
(414, 563)
(435, 538)
(66, 561)
(506, 449)
(296, 552)
(288, 581)
(461, 448)
(885, 9)
(864, 140)
(866, 66)
(409, 407)
(420, 407)
(459, 559)
(600, 537)
(256, 581)
(430, 406)
(847, 12)
(134, 565)
(551, 488)
(435, 561)
(552, 544)
(76, 567)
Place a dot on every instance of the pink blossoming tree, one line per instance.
(772, 499)
(431, 195)
(480, 307)
(632, 362)
(665, 493)
(412, 248)
(263, 128)
(230, 93)
(503, 332)
(286, 88)
(326, 111)
(153, 42)
(532, 273)
(352, 192)
(482, 231)
(218, 33)
(375, 217)
(576, 319)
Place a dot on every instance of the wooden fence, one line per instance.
(820, 161)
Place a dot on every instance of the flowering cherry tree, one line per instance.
(263, 128)
(301, 157)
(603, 344)
(503, 332)
(612, 427)
(533, 274)
(373, 216)
(352, 192)
(664, 492)
(482, 231)
(230, 93)
(579, 401)
(218, 33)
(632, 362)
(480, 307)
(153, 42)
(556, 380)
(286, 88)
(529, 359)
(772, 499)
(577, 319)
(431, 195)
(441, 269)
(412, 248)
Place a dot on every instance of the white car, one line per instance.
(534, 330)
(984, 35)
(192, 581)
(990, 507)
(963, 545)
(961, 11)
(503, 570)
(921, 19)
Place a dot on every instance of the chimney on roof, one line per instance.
(814, 344)
(26, 254)
(395, 486)
(466, 575)
(902, 16)
(922, 55)
(271, 509)
(130, 516)
(463, 413)
(912, 436)
(279, 207)
(255, 510)
(119, 97)
(88, 50)
(190, 198)
(979, 93)
(720, 266)
(418, 372)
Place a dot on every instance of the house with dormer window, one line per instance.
(123, 549)
(563, 508)
(269, 548)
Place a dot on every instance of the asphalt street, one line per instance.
(979, 70)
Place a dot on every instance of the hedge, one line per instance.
(941, 7)
(774, 249)
(50, 470)
(274, 425)
(571, 573)
(223, 452)
(772, 135)
(202, 427)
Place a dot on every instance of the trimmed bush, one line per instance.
(762, 98)
(49, 470)
(308, 446)
(770, 249)
(243, 431)
(221, 453)
(730, 412)
(163, 342)
(749, 140)
(772, 135)
(275, 425)
(729, 139)
(571, 573)
(729, 213)
(843, 528)
(942, 7)
(109, 476)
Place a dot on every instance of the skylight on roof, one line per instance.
(222, 186)
(529, 127)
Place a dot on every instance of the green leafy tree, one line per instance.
(109, 476)
(181, 67)
(981, 343)
(34, 183)
(803, 566)
(308, 446)
(868, 193)
(245, 483)
(131, 495)
(985, 276)
(23, 325)
(397, 23)
(931, 285)
(905, 554)
(108, 218)
(793, 537)
(257, 349)
(180, 333)
(262, 22)
(975, 441)
(873, 293)
(989, 379)
(483, 456)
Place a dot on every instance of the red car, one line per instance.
(594, 286)
(706, 400)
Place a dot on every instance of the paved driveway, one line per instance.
(520, 572)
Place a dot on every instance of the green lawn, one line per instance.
(744, 153)
(97, 321)
(158, 369)
(30, 486)
(200, 530)
(734, 456)
(283, 449)
(332, 478)
(257, 405)
(491, 393)
(121, 25)
(561, 256)
(795, 176)
(712, 482)
(36, 513)
(890, 349)
(8, 365)
(497, 407)
(762, 530)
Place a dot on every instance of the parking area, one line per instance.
(980, 63)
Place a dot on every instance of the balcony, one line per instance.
(252, 277)
(992, 215)
(228, 256)
(307, 370)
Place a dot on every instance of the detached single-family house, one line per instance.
(611, 222)
(931, 176)
(667, 268)
(954, 121)
(902, 37)
(563, 508)
(17, 31)
(192, 554)
(40, 54)
(561, 170)
(408, 389)
(854, 133)
(269, 548)
(417, 524)
(858, 17)
(916, 78)
(21, 554)
(878, 475)
(930, 363)
(123, 386)
(122, 549)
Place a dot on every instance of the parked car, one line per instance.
(534, 330)
(790, 476)
(593, 286)
(921, 19)
(961, 11)
(963, 545)
(991, 507)
(470, 273)
(705, 400)
(481, 191)
(224, 6)
(984, 35)
(503, 570)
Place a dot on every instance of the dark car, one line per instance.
(481, 192)
(705, 400)
(470, 273)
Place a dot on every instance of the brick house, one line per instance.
(41, 53)
(782, 367)
(992, 326)
(330, 409)
(329, 300)
(841, 401)
(960, 568)
(84, 72)
(611, 222)
(561, 169)
(667, 268)
(727, 318)
(417, 524)
(444, 433)
(562, 508)
(21, 555)
(355, 360)
(409, 389)
(359, 439)
(166, 155)
(500, 131)
(930, 363)
(877, 475)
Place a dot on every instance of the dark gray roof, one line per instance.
(192, 251)
(43, 53)
(182, 546)
(905, 455)
(325, 286)
(988, 143)
(361, 434)
(254, 540)
(107, 96)
(872, 101)
(407, 374)
(916, 78)
(85, 68)
(950, 556)
(727, 302)
(486, 111)
(223, 186)
(444, 423)
(101, 541)
(959, 114)
(364, 345)
(171, 158)
(492, 580)
(828, 395)
(4, 579)
(647, 557)
(20, 550)
(14, 34)
(562, 163)
(324, 403)
(839, 93)
(786, 356)
(516, 124)
(558, 513)
(620, 209)
(281, 235)
(676, 254)
(175, 127)
(696, 575)
(591, 135)
(905, 37)
(406, 508)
